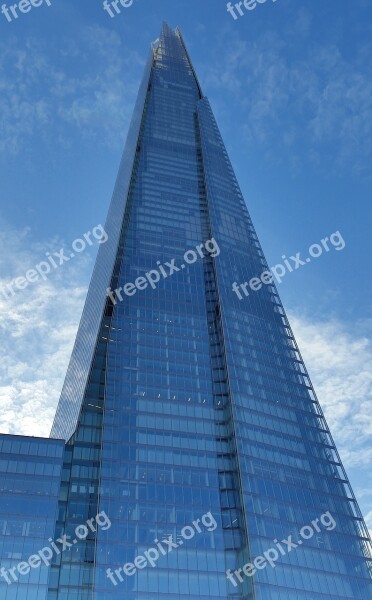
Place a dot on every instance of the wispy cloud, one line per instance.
(44, 90)
(339, 361)
(38, 326)
(339, 357)
(310, 98)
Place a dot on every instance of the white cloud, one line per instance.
(339, 362)
(339, 358)
(37, 326)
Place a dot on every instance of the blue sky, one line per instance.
(291, 86)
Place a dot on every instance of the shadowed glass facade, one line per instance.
(181, 401)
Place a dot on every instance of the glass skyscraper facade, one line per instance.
(188, 414)
(30, 477)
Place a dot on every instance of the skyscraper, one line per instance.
(188, 414)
